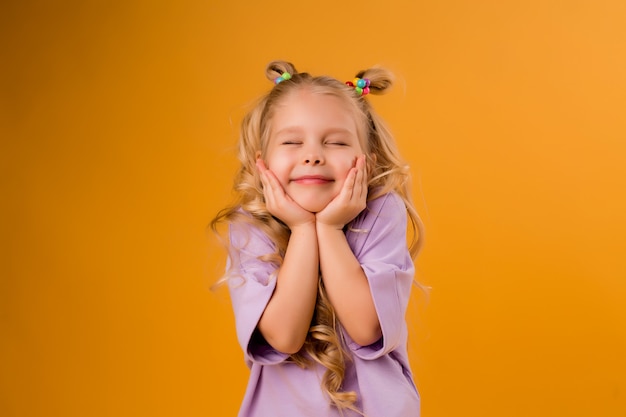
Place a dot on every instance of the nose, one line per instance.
(312, 160)
(313, 156)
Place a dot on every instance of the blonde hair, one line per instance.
(388, 172)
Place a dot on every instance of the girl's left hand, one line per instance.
(350, 201)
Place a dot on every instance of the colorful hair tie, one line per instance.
(283, 77)
(360, 85)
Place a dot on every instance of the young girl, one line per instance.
(319, 271)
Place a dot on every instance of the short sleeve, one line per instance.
(378, 239)
(251, 285)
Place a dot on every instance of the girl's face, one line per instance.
(312, 145)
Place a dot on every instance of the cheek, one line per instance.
(345, 166)
(279, 168)
(340, 174)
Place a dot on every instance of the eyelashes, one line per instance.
(328, 143)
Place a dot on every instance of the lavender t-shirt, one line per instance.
(379, 373)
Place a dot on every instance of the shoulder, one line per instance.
(388, 207)
(384, 219)
(244, 230)
(389, 202)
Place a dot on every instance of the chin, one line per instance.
(314, 206)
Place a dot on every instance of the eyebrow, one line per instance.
(295, 129)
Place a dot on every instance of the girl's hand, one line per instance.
(350, 201)
(278, 203)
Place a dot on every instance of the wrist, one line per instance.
(304, 226)
(328, 227)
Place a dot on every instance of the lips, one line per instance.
(312, 180)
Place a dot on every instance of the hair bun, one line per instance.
(380, 79)
(277, 68)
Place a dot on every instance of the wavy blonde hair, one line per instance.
(388, 172)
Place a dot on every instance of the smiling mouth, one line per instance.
(312, 180)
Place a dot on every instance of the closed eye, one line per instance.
(291, 142)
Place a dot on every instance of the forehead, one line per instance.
(310, 110)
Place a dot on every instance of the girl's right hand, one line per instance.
(278, 203)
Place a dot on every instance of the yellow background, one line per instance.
(118, 121)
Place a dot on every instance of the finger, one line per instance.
(361, 180)
(260, 165)
(356, 187)
(358, 180)
(273, 183)
(268, 194)
(268, 189)
(348, 186)
(267, 176)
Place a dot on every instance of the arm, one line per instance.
(379, 243)
(287, 316)
(346, 285)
